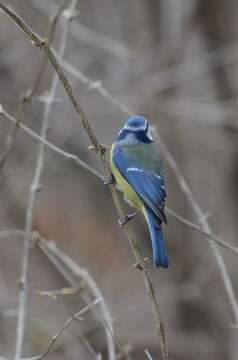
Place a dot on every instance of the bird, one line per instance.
(138, 171)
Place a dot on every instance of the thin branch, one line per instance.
(64, 263)
(37, 41)
(51, 146)
(55, 338)
(71, 271)
(88, 346)
(27, 96)
(23, 288)
(11, 233)
(19, 22)
(189, 70)
(198, 228)
(83, 33)
(202, 219)
(172, 213)
(147, 353)
(210, 114)
(53, 22)
(10, 139)
(206, 113)
(95, 85)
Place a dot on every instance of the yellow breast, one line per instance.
(124, 186)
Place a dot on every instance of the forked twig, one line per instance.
(55, 338)
(79, 278)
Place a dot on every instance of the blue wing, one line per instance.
(147, 184)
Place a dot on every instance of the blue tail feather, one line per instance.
(160, 254)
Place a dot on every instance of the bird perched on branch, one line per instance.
(137, 168)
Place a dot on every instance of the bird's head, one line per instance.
(136, 130)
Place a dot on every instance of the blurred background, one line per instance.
(176, 63)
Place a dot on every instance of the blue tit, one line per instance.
(137, 168)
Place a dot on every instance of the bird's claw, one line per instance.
(108, 181)
(104, 148)
(124, 220)
(142, 265)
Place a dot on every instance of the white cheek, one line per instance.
(149, 135)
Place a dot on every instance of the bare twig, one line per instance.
(55, 338)
(37, 41)
(53, 22)
(64, 263)
(77, 277)
(206, 113)
(147, 353)
(210, 114)
(11, 233)
(33, 192)
(95, 85)
(85, 34)
(175, 215)
(198, 228)
(190, 69)
(10, 139)
(27, 96)
(51, 146)
(205, 226)
(88, 346)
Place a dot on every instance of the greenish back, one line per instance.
(147, 156)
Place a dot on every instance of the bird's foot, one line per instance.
(108, 181)
(124, 220)
(142, 265)
(102, 148)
